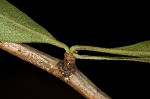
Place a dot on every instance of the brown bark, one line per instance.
(71, 76)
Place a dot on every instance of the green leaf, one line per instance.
(141, 49)
(16, 26)
(141, 46)
(136, 52)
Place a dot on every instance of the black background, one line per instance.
(108, 24)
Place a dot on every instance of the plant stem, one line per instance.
(52, 65)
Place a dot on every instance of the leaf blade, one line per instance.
(15, 26)
(141, 46)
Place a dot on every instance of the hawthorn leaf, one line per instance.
(16, 26)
